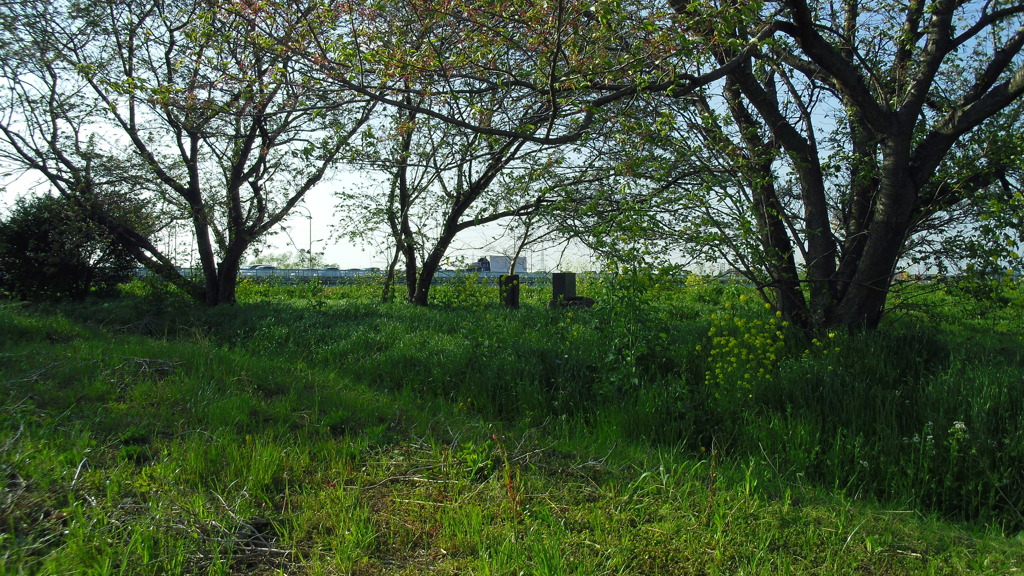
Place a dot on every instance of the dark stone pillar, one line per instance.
(563, 292)
(563, 287)
(508, 287)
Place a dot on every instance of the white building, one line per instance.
(501, 264)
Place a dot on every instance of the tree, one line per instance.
(832, 152)
(298, 259)
(441, 181)
(179, 99)
(472, 129)
(832, 127)
(527, 74)
(49, 251)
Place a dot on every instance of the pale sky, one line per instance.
(341, 252)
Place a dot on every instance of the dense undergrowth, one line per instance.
(673, 428)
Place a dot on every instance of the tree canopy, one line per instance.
(853, 129)
(182, 102)
(817, 146)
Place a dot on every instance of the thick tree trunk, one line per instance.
(427, 273)
(432, 263)
(864, 300)
(227, 272)
(207, 259)
(862, 307)
(422, 295)
(226, 287)
(410, 272)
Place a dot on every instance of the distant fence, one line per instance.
(331, 276)
(348, 276)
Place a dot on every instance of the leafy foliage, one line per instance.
(837, 149)
(49, 250)
(183, 102)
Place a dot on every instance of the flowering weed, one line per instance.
(745, 351)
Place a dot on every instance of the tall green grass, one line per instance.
(912, 414)
(307, 431)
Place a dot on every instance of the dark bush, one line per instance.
(50, 251)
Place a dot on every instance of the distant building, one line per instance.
(499, 264)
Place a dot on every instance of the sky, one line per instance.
(298, 229)
(316, 219)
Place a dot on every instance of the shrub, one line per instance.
(50, 251)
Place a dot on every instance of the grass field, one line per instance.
(671, 429)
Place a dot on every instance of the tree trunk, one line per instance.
(227, 272)
(410, 272)
(432, 263)
(226, 287)
(864, 301)
(387, 293)
(430, 266)
(779, 261)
